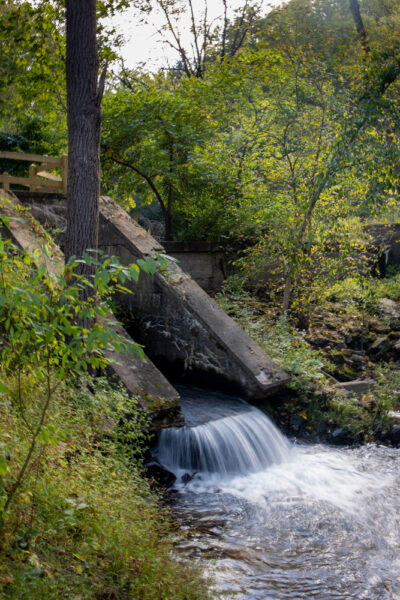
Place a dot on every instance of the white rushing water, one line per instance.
(242, 442)
(279, 520)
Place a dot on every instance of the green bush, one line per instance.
(77, 520)
(85, 523)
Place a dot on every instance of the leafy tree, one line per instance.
(150, 135)
(32, 73)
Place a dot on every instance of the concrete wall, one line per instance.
(156, 396)
(205, 262)
(181, 327)
(387, 238)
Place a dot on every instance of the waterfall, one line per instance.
(221, 435)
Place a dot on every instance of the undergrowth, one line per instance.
(278, 337)
(85, 525)
(77, 519)
(316, 406)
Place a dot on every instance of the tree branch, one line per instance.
(146, 177)
(101, 84)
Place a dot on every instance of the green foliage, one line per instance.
(40, 317)
(367, 416)
(49, 332)
(285, 147)
(389, 287)
(320, 406)
(283, 342)
(76, 517)
(115, 417)
(32, 70)
(85, 523)
(363, 293)
(149, 135)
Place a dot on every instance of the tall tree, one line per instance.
(84, 94)
(359, 23)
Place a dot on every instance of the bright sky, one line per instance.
(143, 41)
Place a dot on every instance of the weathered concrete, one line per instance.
(181, 327)
(386, 239)
(141, 378)
(26, 233)
(205, 262)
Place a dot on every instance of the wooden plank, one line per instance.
(50, 160)
(32, 177)
(50, 176)
(33, 182)
(37, 184)
(64, 172)
(5, 180)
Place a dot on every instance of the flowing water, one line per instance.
(273, 520)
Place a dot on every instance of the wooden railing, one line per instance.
(39, 178)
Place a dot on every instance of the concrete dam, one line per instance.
(186, 336)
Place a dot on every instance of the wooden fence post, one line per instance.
(32, 177)
(6, 181)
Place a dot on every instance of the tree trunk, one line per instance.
(168, 212)
(84, 129)
(168, 226)
(359, 23)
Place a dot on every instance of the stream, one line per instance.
(275, 520)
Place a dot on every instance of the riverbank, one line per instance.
(85, 523)
(344, 367)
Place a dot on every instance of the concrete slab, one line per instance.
(181, 327)
(141, 378)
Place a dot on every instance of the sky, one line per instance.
(143, 41)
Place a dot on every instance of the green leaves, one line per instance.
(4, 389)
(42, 330)
(148, 265)
(4, 468)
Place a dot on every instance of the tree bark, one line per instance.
(359, 23)
(84, 129)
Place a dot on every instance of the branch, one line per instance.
(196, 45)
(179, 47)
(240, 35)
(225, 29)
(32, 446)
(147, 178)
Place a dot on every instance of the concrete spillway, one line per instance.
(156, 396)
(183, 330)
